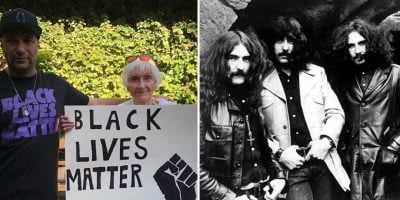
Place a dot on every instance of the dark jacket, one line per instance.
(228, 161)
(371, 127)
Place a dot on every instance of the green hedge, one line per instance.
(117, 11)
(92, 58)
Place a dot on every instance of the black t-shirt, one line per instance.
(29, 142)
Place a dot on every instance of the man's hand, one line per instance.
(319, 149)
(246, 197)
(290, 158)
(277, 186)
(273, 144)
(65, 124)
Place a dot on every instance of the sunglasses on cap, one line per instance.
(143, 57)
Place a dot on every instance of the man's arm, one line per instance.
(394, 141)
(332, 123)
(334, 114)
(66, 124)
(210, 187)
(288, 157)
(277, 183)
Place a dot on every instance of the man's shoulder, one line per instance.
(50, 76)
(396, 66)
(395, 71)
(4, 79)
(3, 73)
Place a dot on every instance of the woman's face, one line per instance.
(141, 85)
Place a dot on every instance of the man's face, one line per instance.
(20, 49)
(239, 64)
(283, 50)
(357, 48)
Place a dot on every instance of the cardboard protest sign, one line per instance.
(131, 152)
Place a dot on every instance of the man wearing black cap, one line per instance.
(30, 101)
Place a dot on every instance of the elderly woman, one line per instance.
(142, 77)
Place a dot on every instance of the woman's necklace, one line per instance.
(25, 108)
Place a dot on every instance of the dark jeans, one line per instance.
(313, 181)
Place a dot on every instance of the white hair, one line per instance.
(141, 66)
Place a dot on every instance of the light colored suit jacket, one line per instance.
(322, 112)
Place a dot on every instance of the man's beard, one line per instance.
(360, 57)
(363, 67)
(242, 90)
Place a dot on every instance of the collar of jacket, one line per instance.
(379, 77)
(273, 83)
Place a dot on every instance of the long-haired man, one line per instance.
(235, 158)
(369, 92)
(303, 116)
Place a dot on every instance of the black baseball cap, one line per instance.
(19, 18)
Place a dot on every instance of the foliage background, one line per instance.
(90, 51)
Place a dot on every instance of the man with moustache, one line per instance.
(303, 117)
(235, 160)
(369, 92)
(30, 103)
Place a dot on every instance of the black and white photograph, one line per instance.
(299, 99)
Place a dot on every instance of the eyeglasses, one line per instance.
(143, 57)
